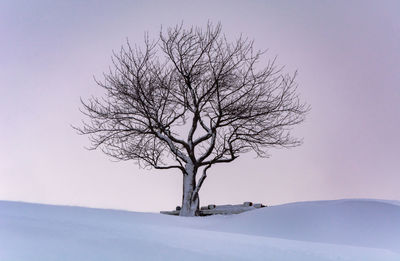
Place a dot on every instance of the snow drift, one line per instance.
(321, 230)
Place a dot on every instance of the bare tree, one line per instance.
(189, 100)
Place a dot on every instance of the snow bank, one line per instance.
(322, 230)
(367, 223)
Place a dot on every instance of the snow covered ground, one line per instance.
(311, 231)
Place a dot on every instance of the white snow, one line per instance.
(312, 231)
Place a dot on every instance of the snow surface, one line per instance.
(313, 231)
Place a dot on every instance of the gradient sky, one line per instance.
(347, 54)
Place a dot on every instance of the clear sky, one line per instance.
(347, 54)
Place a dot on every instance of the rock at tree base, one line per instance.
(220, 209)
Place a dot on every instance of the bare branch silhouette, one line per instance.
(190, 100)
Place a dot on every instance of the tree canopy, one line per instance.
(191, 99)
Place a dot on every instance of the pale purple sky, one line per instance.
(347, 54)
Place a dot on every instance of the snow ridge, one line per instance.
(350, 229)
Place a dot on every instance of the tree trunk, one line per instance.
(190, 202)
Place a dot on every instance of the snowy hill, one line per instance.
(321, 230)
